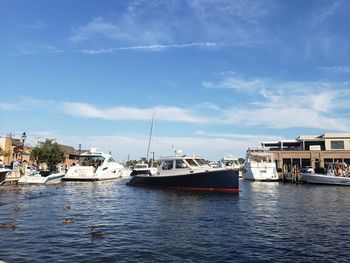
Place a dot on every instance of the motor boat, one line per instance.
(188, 173)
(142, 168)
(3, 172)
(336, 174)
(232, 162)
(42, 177)
(94, 166)
(259, 165)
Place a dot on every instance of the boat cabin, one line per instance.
(177, 164)
(95, 159)
(259, 156)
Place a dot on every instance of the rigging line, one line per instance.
(149, 139)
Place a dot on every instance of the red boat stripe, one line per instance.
(202, 189)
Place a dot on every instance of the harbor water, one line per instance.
(265, 222)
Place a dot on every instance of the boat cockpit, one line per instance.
(186, 162)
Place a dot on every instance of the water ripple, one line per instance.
(265, 222)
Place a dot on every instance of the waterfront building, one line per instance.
(71, 155)
(14, 149)
(308, 150)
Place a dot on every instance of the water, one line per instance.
(265, 222)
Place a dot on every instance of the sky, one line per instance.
(219, 75)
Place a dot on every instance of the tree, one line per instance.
(49, 153)
(4, 153)
(241, 160)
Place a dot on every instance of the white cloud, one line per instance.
(129, 28)
(286, 117)
(336, 69)
(8, 106)
(34, 49)
(285, 104)
(128, 113)
(37, 25)
(149, 48)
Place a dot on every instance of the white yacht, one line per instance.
(42, 177)
(232, 163)
(96, 166)
(337, 174)
(259, 165)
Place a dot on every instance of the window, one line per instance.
(180, 164)
(201, 162)
(168, 165)
(110, 160)
(339, 145)
(191, 162)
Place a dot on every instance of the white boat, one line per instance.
(259, 165)
(232, 163)
(337, 174)
(142, 168)
(3, 172)
(96, 166)
(42, 177)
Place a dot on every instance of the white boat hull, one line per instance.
(36, 178)
(80, 173)
(325, 179)
(260, 172)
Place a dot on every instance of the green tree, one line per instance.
(4, 153)
(241, 160)
(48, 152)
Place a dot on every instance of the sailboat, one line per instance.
(143, 168)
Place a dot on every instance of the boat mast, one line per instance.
(150, 136)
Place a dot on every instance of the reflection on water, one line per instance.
(265, 222)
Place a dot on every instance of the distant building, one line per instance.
(14, 150)
(315, 151)
(71, 155)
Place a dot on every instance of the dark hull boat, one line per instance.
(225, 180)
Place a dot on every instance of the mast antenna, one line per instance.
(150, 136)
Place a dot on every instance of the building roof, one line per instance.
(307, 137)
(335, 135)
(69, 150)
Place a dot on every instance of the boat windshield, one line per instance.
(91, 160)
(191, 162)
(202, 162)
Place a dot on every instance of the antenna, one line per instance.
(150, 136)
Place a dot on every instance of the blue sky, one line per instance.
(220, 76)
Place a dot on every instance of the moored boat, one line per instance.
(42, 177)
(232, 162)
(188, 173)
(142, 168)
(337, 174)
(96, 166)
(3, 173)
(259, 165)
